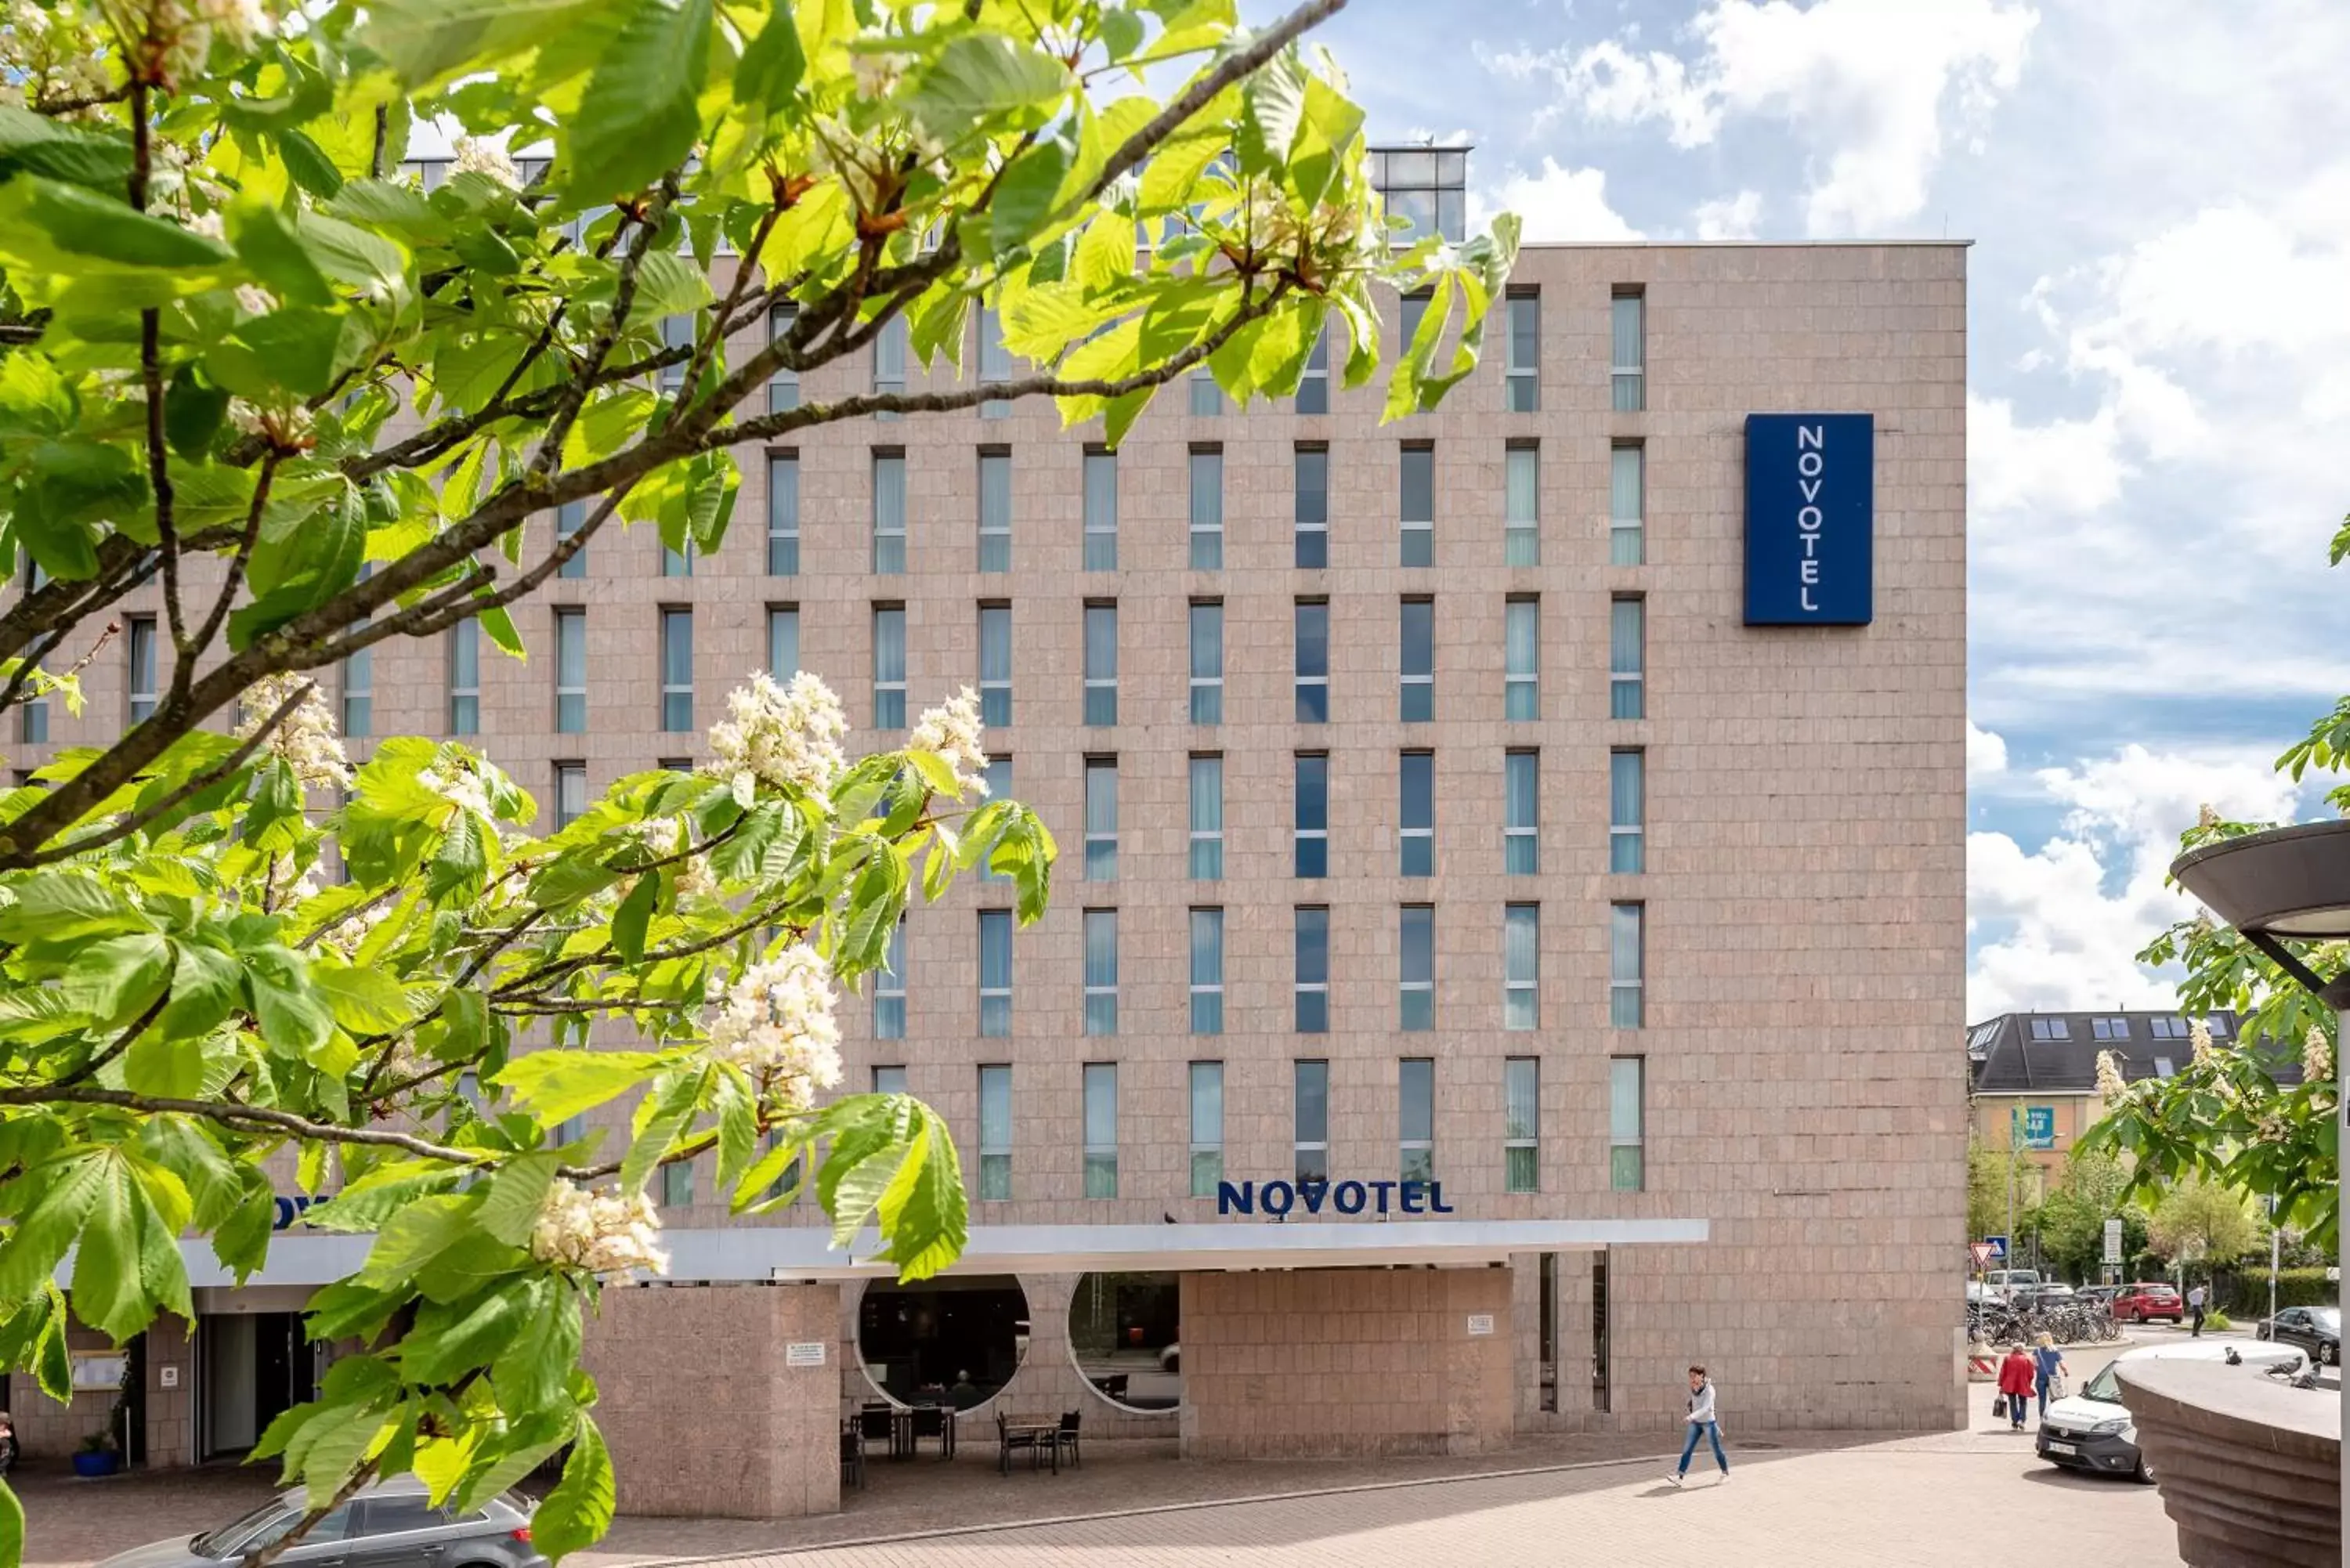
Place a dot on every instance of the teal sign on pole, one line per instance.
(2040, 1127)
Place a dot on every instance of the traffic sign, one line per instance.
(1981, 1253)
(1998, 1245)
(2113, 1240)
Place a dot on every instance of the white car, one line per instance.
(2091, 1431)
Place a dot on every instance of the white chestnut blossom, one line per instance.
(2316, 1058)
(184, 29)
(305, 739)
(954, 733)
(488, 159)
(2109, 1077)
(602, 1232)
(779, 735)
(463, 788)
(775, 1023)
(2205, 816)
(2198, 1039)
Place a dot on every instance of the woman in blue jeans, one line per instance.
(1702, 1422)
(2047, 1362)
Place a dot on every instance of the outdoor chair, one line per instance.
(852, 1457)
(879, 1423)
(934, 1422)
(1006, 1439)
(1066, 1438)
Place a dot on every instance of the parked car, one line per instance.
(2149, 1301)
(2316, 1329)
(2097, 1295)
(386, 1525)
(2092, 1430)
(2006, 1282)
(2045, 1294)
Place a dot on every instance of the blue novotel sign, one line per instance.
(1279, 1198)
(1810, 513)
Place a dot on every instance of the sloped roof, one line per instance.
(2006, 1058)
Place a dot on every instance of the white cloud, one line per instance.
(1558, 205)
(2070, 915)
(2062, 464)
(1730, 217)
(1862, 84)
(1986, 755)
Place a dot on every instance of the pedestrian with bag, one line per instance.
(2016, 1378)
(1705, 1421)
(2194, 1307)
(2048, 1369)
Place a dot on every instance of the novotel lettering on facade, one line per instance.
(1278, 1200)
(1810, 513)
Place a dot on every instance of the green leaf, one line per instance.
(924, 1213)
(292, 1018)
(579, 1509)
(206, 984)
(530, 1373)
(193, 411)
(364, 1001)
(114, 980)
(270, 246)
(661, 1118)
(516, 1196)
(635, 913)
(308, 163)
(556, 1086)
(60, 906)
(980, 79)
(34, 144)
(638, 117)
(33, 398)
(774, 62)
(64, 1192)
(11, 1526)
(165, 1066)
(99, 228)
(462, 863)
(1025, 199)
(350, 255)
(416, 1235)
(425, 40)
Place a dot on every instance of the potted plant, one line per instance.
(97, 1456)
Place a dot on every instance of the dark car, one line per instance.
(2097, 1295)
(391, 1524)
(2150, 1302)
(2316, 1329)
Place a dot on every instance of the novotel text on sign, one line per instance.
(1278, 1199)
(1810, 515)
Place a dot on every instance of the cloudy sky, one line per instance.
(2158, 192)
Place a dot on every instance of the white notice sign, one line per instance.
(1480, 1322)
(2113, 1240)
(809, 1352)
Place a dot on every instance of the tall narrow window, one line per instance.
(1629, 334)
(994, 363)
(784, 515)
(1415, 311)
(1626, 811)
(33, 715)
(1416, 1124)
(677, 563)
(677, 332)
(1313, 624)
(1101, 819)
(1310, 1139)
(1313, 383)
(677, 1176)
(996, 973)
(784, 386)
(1521, 366)
(1313, 829)
(888, 667)
(1101, 972)
(1207, 1127)
(140, 653)
(1522, 966)
(1312, 486)
(995, 1133)
(1101, 664)
(677, 670)
(1101, 512)
(889, 512)
(1522, 1124)
(569, 518)
(995, 666)
(1522, 506)
(570, 671)
(1101, 1130)
(464, 675)
(570, 793)
(1313, 959)
(1416, 835)
(1627, 1119)
(890, 362)
(994, 511)
(1628, 504)
(1207, 508)
(1627, 658)
(1625, 966)
(999, 787)
(1418, 505)
(782, 642)
(890, 988)
(358, 697)
(1207, 398)
(1208, 662)
(1417, 943)
(1207, 971)
(1546, 1325)
(1522, 658)
(1207, 849)
(1522, 812)
(1601, 1359)
(1417, 658)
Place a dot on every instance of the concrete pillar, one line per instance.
(702, 1408)
(171, 1394)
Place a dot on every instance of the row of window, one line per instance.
(1416, 693)
(1520, 1148)
(1310, 994)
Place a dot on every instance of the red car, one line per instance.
(2146, 1302)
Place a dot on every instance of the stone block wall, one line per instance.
(1326, 1362)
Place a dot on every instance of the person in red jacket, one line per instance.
(2016, 1377)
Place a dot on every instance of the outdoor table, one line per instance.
(1039, 1435)
(920, 1416)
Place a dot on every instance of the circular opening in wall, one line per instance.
(1124, 1336)
(956, 1339)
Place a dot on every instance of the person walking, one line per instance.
(2016, 1376)
(1704, 1420)
(2195, 1310)
(2048, 1370)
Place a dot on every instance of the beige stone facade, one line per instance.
(1803, 891)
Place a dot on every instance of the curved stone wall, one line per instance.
(2250, 1469)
